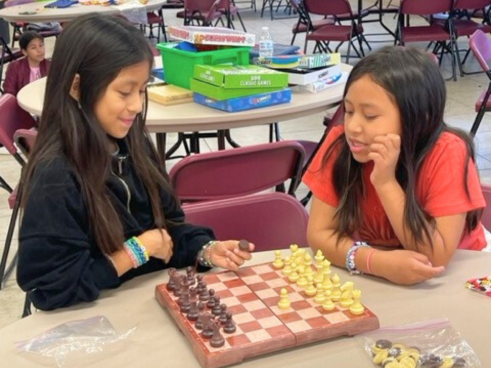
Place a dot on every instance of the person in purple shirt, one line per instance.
(30, 68)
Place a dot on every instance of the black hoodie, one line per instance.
(60, 263)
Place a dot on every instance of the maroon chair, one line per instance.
(7, 55)
(203, 12)
(480, 45)
(302, 25)
(434, 32)
(230, 10)
(486, 216)
(335, 32)
(270, 221)
(12, 118)
(238, 172)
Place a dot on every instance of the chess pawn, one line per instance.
(319, 257)
(346, 299)
(278, 263)
(293, 250)
(356, 308)
(319, 276)
(319, 297)
(308, 265)
(302, 281)
(211, 300)
(229, 327)
(326, 267)
(336, 284)
(293, 277)
(310, 290)
(284, 303)
(287, 269)
(328, 304)
(301, 270)
(299, 258)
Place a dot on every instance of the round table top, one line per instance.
(190, 116)
(42, 14)
(157, 340)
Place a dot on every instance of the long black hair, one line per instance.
(414, 82)
(96, 48)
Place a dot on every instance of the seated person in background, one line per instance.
(396, 190)
(98, 205)
(30, 68)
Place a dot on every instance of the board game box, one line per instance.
(325, 83)
(220, 93)
(302, 76)
(240, 76)
(211, 36)
(246, 103)
(246, 305)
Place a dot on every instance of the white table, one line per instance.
(12, 14)
(157, 341)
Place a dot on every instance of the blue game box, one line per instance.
(246, 103)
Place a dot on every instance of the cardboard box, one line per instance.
(240, 76)
(325, 83)
(246, 103)
(169, 95)
(306, 76)
(220, 93)
(211, 36)
(319, 60)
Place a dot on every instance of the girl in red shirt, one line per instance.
(396, 190)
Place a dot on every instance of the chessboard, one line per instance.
(259, 326)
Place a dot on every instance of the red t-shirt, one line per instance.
(440, 189)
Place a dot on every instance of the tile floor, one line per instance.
(459, 112)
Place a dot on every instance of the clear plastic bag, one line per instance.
(89, 336)
(428, 344)
(134, 11)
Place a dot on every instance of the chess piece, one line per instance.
(346, 296)
(217, 340)
(184, 303)
(307, 260)
(293, 250)
(326, 275)
(193, 294)
(204, 295)
(356, 308)
(184, 297)
(319, 297)
(310, 290)
(229, 325)
(193, 312)
(319, 276)
(177, 288)
(278, 263)
(287, 269)
(199, 320)
(211, 300)
(336, 284)
(326, 267)
(244, 245)
(319, 257)
(293, 276)
(216, 308)
(302, 281)
(171, 285)
(223, 314)
(190, 275)
(284, 303)
(299, 258)
(208, 321)
(328, 304)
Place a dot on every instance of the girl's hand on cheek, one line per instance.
(384, 152)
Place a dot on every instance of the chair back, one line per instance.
(24, 139)
(237, 172)
(328, 7)
(480, 45)
(425, 7)
(12, 118)
(270, 221)
(471, 4)
(486, 216)
(200, 5)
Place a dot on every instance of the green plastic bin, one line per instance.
(179, 64)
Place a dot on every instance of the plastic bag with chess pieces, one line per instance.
(316, 281)
(427, 344)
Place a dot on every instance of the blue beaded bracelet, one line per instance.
(350, 257)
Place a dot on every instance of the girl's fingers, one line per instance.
(235, 258)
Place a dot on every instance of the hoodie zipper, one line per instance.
(121, 160)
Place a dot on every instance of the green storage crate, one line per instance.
(179, 64)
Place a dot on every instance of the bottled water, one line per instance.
(265, 45)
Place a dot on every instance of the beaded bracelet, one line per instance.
(136, 251)
(350, 257)
(204, 255)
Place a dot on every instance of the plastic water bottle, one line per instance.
(265, 45)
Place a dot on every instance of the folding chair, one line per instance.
(6, 56)
(12, 118)
(302, 25)
(238, 172)
(270, 221)
(480, 45)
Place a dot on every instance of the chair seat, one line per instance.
(316, 24)
(465, 27)
(433, 32)
(15, 55)
(334, 33)
(201, 16)
(363, 14)
(480, 101)
(154, 18)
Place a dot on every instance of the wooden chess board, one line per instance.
(252, 295)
